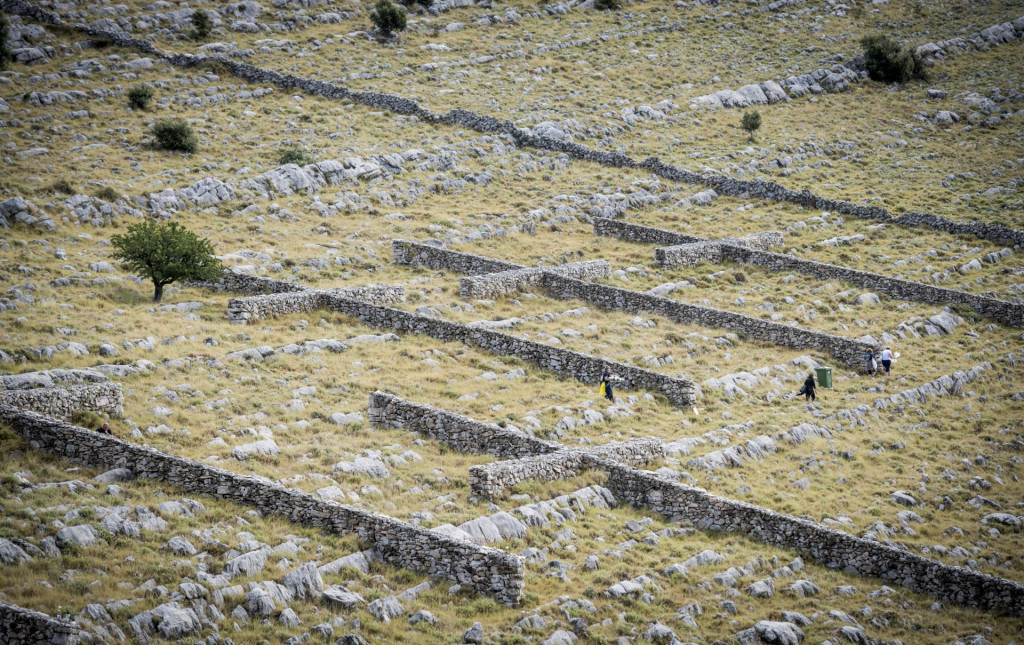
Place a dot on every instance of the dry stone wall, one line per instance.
(693, 252)
(832, 548)
(243, 310)
(62, 402)
(441, 259)
(1006, 312)
(722, 184)
(492, 285)
(454, 430)
(582, 367)
(480, 569)
(20, 626)
(565, 287)
(846, 350)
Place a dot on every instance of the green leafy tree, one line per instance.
(388, 17)
(5, 52)
(201, 21)
(887, 62)
(751, 122)
(165, 253)
(175, 134)
(140, 97)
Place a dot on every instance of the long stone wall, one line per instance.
(62, 402)
(492, 285)
(722, 184)
(439, 258)
(528, 458)
(454, 430)
(617, 299)
(832, 548)
(20, 626)
(684, 250)
(480, 569)
(582, 367)
(847, 350)
(1005, 312)
(607, 227)
(829, 547)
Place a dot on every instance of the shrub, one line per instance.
(5, 52)
(202, 23)
(140, 97)
(107, 193)
(426, 4)
(751, 122)
(63, 186)
(165, 253)
(607, 5)
(175, 134)
(387, 17)
(887, 62)
(295, 154)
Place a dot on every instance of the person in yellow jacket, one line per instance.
(606, 385)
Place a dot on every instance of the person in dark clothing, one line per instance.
(808, 389)
(606, 385)
(105, 429)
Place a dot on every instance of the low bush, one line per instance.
(175, 134)
(887, 62)
(295, 154)
(140, 97)
(388, 17)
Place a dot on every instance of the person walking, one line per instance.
(808, 389)
(606, 384)
(870, 364)
(887, 359)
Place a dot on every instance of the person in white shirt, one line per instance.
(887, 359)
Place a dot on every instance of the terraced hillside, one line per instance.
(383, 422)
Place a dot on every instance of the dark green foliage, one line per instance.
(140, 97)
(175, 134)
(202, 23)
(887, 62)
(426, 4)
(63, 186)
(295, 154)
(5, 52)
(388, 17)
(107, 193)
(751, 122)
(165, 253)
(607, 5)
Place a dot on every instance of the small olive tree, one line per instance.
(165, 253)
(751, 122)
(388, 17)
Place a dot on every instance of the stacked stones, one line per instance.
(560, 285)
(830, 547)
(20, 626)
(754, 250)
(59, 393)
(505, 282)
(481, 569)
